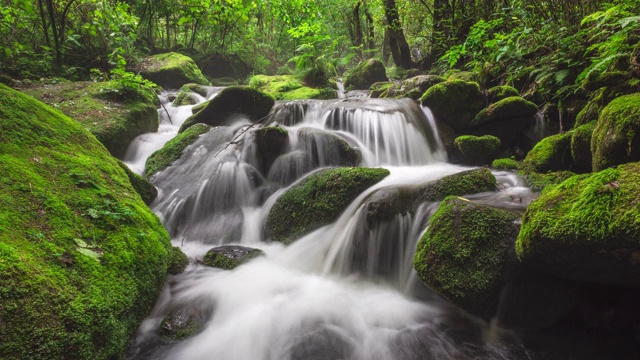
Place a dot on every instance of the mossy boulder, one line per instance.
(505, 164)
(233, 100)
(271, 142)
(477, 150)
(197, 108)
(463, 254)
(185, 98)
(82, 258)
(173, 149)
(229, 257)
(463, 75)
(223, 66)
(318, 200)
(616, 138)
(553, 153)
(289, 87)
(171, 70)
(147, 191)
(412, 88)
(586, 228)
(365, 74)
(513, 108)
(455, 102)
(380, 89)
(178, 261)
(543, 182)
(498, 93)
(114, 115)
(590, 112)
(581, 147)
(195, 88)
(595, 80)
(463, 183)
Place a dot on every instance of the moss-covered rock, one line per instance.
(498, 93)
(82, 258)
(182, 323)
(463, 254)
(462, 75)
(178, 261)
(454, 102)
(318, 200)
(553, 153)
(513, 108)
(171, 70)
(197, 108)
(185, 98)
(597, 80)
(581, 147)
(463, 183)
(505, 164)
(147, 191)
(412, 88)
(173, 149)
(379, 88)
(289, 87)
(195, 88)
(365, 74)
(586, 228)
(217, 66)
(477, 150)
(233, 100)
(228, 257)
(616, 138)
(544, 182)
(114, 115)
(271, 142)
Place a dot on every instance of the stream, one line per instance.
(344, 291)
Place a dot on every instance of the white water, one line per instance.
(344, 291)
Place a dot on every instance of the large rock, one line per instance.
(581, 147)
(232, 100)
(586, 228)
(271, 142)
(365, 74)
(512, 108)
(327, 149)
(553, 153)
(173, 149)
(290, 87)
(616, 138)
(113, 114)
(498, 93)
(216, 66)
(318, 200)
(463, 254)
(229, 257)
(82, 258)
(412, 88)
(171, 70)
(455, 102)
(477, 150)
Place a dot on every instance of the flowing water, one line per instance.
(345, 291)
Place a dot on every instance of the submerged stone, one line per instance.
(228, 257)
(182, 323)
(327, 149)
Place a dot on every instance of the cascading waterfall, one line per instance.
(344, 291)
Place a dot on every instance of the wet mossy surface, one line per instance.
(178, 261)
(229, 257)
(463, 254)
(184, 98)
(581, 147)
(511, 108)
(113, 116)
(498, 93)
(173, 149)
(551, 154)
(505, 164)
(463, 183)
(244, 100)
(477, 150)
(587, 228)
(455, 102)
(147, 191)
(171, 70)
(82, 258)
(616, 138)
(318, 200)
(365, 74)
(412, 88)
(289, 87)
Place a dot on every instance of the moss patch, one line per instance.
(365, 74)
(171, 70)
(318, 200)
(147, 191)
(289, 87)
(463, 254)
(581, 147)
(511, 108)
(477, 150)
(616, 138)
(505, 164)
(455, 102)
(553, 153)
(463, 183)
(587, 228)
(173, 149)
(498, 93)
(114, 117)
(178, 261)
(82, 258)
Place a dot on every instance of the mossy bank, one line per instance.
(82, 258)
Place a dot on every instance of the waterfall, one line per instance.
(346, 290)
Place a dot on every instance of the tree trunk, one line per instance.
(399, 47)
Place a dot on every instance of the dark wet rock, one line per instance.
(228, 257)
(327, 149)
(182, 323)
(271, 142)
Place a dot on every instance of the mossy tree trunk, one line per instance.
(399, 46)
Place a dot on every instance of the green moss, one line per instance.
(365, 74)
(114, 117)
(219, 260)
(82, 258)
(178, 261)
(463, 183)
(505, 164)
(147, 191)
(233, 100)
(454, 102)
(553, 153)
(511, 108)
(464, 76)
(173, 149)
(616, 138)
(581, 147)
(544, 182)
(477, 150)
(197, 108)
(184, 98)
(379, 88)
(172, 70)
(318, 200)
(289, 87)
(498, 93)
(586, 228)
(462, 255)
(589, 113)
(196, 88)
